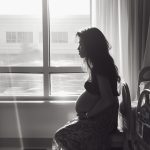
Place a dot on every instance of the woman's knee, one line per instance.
(59, 134)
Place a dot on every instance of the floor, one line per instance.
(42, 149)
(24, 149)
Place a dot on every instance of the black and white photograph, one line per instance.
(74, 74)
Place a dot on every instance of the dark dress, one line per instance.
(92, 133)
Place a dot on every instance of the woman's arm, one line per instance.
(106, 98)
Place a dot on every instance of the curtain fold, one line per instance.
(146, 59)
(133, 46)
(145, 33)
(138, 47)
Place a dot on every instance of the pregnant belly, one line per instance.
(86, 101)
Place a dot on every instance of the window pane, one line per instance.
(20, 25)
(66, 18)
(21, 84)
(67, 83)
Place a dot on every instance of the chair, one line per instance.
(144, 77)
(123, 139)
(143, 120)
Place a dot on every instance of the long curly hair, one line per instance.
(97, 56)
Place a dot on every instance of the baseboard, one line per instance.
(28, 143)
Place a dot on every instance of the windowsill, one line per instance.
(39, 99)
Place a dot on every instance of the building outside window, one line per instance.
(19, 37)
(11, 37)
(59, 37)
(45, 63)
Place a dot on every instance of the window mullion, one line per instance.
(66, 70)
(45, 48)
(18, 69)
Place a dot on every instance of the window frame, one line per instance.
(46, 69)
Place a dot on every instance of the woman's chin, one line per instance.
(81, 55)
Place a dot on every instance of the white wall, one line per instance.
(36, 120)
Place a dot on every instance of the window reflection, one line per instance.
(67, 83)
(21, 84)
(20, 25)
(65, 21)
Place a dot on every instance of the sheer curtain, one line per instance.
(111, 17)
(120, 21)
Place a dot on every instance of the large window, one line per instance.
(38, 50)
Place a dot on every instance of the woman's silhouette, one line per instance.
(97, 106)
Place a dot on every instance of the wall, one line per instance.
(36, 120)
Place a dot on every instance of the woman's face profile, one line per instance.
(81, 49)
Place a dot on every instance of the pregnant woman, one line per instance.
(97, 106)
